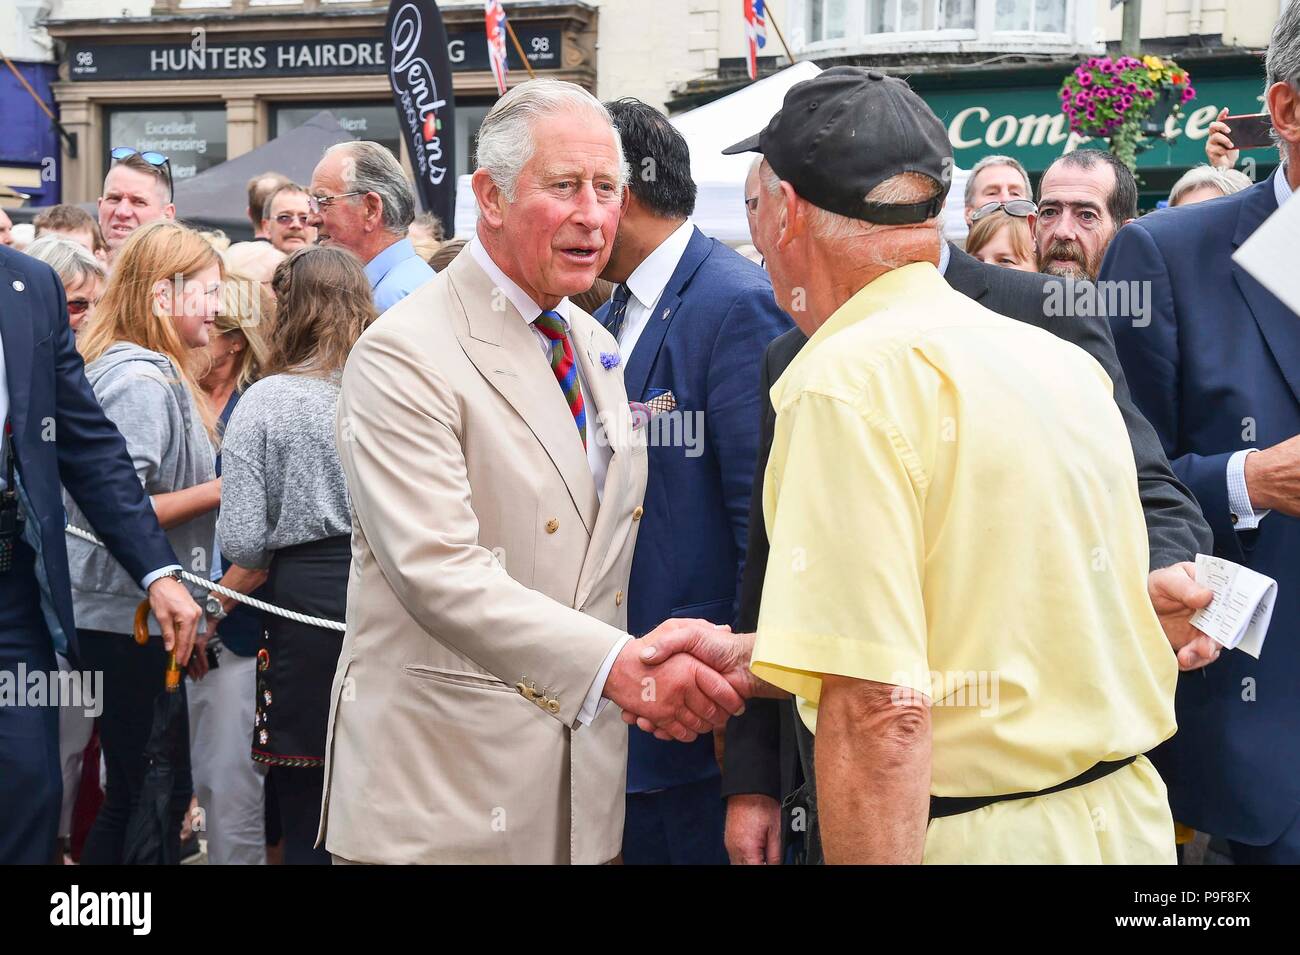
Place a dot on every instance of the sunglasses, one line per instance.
(288, 218)
(157, 160)
(1020, 208)
(78, 306)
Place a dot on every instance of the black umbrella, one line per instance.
(153, 834)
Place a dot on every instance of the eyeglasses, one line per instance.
(157, 160)
(751, 204)
(78, 306)
(288, 218)
(317, 203)
(1020, 208)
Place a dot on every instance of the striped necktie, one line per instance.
(617, 314)
(566, 369)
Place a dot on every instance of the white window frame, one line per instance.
(1081, 34)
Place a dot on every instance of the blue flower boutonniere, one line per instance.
(610, 359)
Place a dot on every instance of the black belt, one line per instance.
(941, 806)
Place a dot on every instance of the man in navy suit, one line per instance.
(1215, 367)
(692, 319)
(57, 435)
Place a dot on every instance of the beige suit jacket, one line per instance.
(487, 587)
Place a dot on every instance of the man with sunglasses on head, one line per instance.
(361, 200)
(137, 191)
(995, 179)
(285, 218)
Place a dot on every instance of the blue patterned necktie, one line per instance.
(617, 310)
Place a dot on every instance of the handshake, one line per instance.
(684, 678)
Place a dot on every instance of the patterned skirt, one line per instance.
(296, 661)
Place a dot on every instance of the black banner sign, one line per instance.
(204, 58)
(420, 74)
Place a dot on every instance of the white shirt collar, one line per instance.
(648, 280)
(517, 296)
(945, 254)
(1281, 186)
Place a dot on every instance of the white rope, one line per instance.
(227, 592)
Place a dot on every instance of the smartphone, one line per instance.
(1250, 130)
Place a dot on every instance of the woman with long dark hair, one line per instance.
(285, 506)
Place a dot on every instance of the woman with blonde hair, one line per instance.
(285, 507)
(82, 275)
(227, 783)
(143, 355)
(1000, 234)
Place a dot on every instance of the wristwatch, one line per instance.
(213, 608)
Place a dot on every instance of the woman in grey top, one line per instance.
(153, 325)
(284, 506)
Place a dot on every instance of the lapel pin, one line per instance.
(667, 311)
(18, 285)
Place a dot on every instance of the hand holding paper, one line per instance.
(1239, 615)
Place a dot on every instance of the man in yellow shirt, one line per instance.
(957, 585)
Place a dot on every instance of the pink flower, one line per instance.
(1189, 94)
(1085, 79)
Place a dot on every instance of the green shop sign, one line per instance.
(1028, 123)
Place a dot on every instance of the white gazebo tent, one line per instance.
(720, 180)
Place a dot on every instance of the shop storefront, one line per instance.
(206, 89)
(1018, 113)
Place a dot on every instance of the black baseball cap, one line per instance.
(845, 131)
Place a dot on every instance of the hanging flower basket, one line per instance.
(1124, 100)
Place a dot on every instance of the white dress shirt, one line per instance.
(647, 283)
(598, 452)
(1245, 516)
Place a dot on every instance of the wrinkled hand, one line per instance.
(177, 615)
(753, 830)
(1176, 595)
(677, 699)
(1218, 147)
(720, 650)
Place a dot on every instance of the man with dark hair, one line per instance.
(1083, 200)
(259, 191)
(75, 223)
(285, 216)
(1215, 366)
(692, 319)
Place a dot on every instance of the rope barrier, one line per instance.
(232, 594)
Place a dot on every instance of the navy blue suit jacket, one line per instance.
(1217, 370)
(63, 439)
(704, 342)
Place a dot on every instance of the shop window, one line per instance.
(865, 25)
(374, 120)
(1030, 16)
(906, 16)
(193, 139)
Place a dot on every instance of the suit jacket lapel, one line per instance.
(610, 421)
(16, 313)
(1277, 323)
(652, 337)
(505, 351)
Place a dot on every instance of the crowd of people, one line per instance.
(885, 556)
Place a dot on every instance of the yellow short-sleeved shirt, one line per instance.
(952, 506)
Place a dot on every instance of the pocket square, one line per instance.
(660, 403)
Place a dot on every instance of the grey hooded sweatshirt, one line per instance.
(142, 393)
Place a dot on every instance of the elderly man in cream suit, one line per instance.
(496, 484)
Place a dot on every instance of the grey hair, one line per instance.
(1227, 181)
(997, 160)
(70, 259)
(830, 226)
(505, 138)
(1282, 63)
(291, 188)
(375, 169)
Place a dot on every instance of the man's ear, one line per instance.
(626, 203)
(490, 200)
(1283, 105)
(792, 222)
(374, 209)
(169, 211)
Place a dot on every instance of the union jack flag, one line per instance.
(755, 32)
(495, 17)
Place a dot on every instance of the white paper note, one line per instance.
(1269, 254)
(1242, 607)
